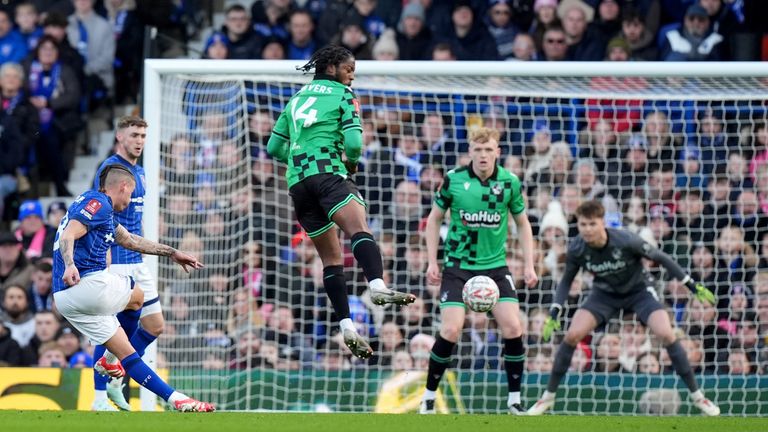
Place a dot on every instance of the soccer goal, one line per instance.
(676, 152)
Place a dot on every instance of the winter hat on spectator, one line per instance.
(554, 218)
(7, 239)
(57, 206)
(66, 329)
(566, 5)
(544, 3)
(462, 3)
(618, 42)
(216, 38)
(696, 10)
(30, 208)
(386, 44)
(414, 9)
(738, 288)
(81, 357)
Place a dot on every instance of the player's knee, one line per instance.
(153, 324)
(450, 332)
(511, 330)
(667, 338)
(573, 338)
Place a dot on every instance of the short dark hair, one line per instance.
(111, 170)
(632, 15)
(590, 210)
(44, 266)
(55, 19)
(330, 55)
(235, 8)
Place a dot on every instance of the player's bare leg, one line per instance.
(583, 323)
(351, 219)
(661, 326)
(452, 322)
(507, 315)
(329, 249)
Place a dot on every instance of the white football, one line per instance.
(480, 293)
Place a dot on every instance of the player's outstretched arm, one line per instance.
(526, 240)
(434, 220)
(66, 244)
(142, 245)
(277, 147)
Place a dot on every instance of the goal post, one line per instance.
(656, 142)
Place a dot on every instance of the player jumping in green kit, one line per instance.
(320, 123)
(480, 197)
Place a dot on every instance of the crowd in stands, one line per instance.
(695, 187)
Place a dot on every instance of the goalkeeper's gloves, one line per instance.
(700, 291)
(552, 322)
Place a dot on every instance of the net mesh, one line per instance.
(681, 161)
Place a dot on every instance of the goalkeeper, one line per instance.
(480, 197)
(319, 124)
(620, 283)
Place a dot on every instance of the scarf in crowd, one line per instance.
(35, 248)
(42, 83)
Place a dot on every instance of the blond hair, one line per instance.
(482, 135)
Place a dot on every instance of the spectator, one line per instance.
(11, 157)
(413, 36)
(14, 267)
(608, 22)
(502, 27)
(608, 353)
(582, 358)
(273, 49)
(27, 20)
(56, 210)
(540, 360)
(68, 339)
(713, 141)
(17, 106)
(738, 363)
(468, 36)
(690, 174)
(736, 170)
(634, 343)
(419, 347)
(410, 153)
(555, 174)
(724, 22)
(641, 41)
(353, 37)
(554, 235)
(538, 153)
(702, 326)
(523, 48)
(40, 290)
(590, 187)
(216, 47)
(35, 236)
(13, 47)
(55, 26)
(661, 143)
(11, 353)
(546, 17)
(600, 143)
(760, 148)
(51, 355)
(244, 42)
(405, 212)
(302, 43)
(17, 317)
(46, 327)
(554, 46)
(402, 361)
(748, 216)
(693, 40)
(618, 50)
(55, 92)
(365, 12)
(390, 341)
(584, 43)
(270, 17)
(93, 38)
(129, 48)
(443, 51)
(386, 47)
(648, 363)
(439, 140)
(536, 319)
(292, 344)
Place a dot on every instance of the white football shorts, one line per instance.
(143, 278)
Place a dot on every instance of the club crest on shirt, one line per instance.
(616, 254)
(496, 189)
(93, 206)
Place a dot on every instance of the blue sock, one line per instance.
(99, 381)
(141, 340)
(142, 374)
(129, 321)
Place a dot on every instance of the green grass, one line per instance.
(65, 421)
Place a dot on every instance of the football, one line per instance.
(480, 293)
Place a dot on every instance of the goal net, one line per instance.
(676, 153)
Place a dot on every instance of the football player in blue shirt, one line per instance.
(89, 296)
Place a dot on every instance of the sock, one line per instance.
(367, 254)
(129, 321)
(141, 340)
(346, 324)
(428, 394)
(336, 289)
(99, 381)
(681, 365)
(514, 361)
(146, 377)
(560, 366)
(100, 395)
(377, 284)
(513, 398)
(438, 361)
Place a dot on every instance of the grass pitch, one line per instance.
(78, 421)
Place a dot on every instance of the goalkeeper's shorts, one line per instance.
(604, 306)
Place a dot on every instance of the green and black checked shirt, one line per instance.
(477, 234)
(314, 122)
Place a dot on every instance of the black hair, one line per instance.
(330, 55)
(109, 168)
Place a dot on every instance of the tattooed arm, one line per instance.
(66, 246)
(140, 244)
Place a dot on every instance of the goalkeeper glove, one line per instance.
(552, 322)
(700, 291)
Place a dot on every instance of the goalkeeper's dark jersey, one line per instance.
(617, 266)
(313, 122)
(477, 235)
